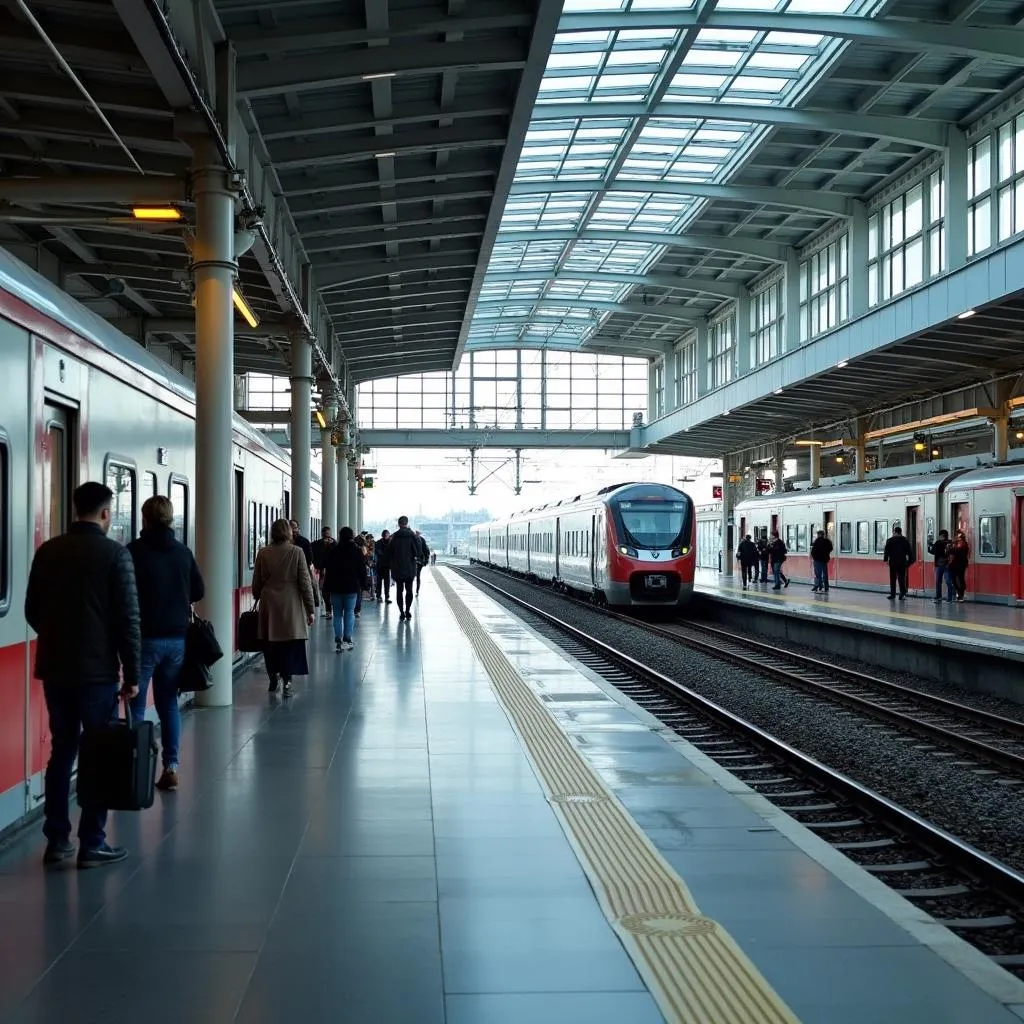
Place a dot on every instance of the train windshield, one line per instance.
(652, 524)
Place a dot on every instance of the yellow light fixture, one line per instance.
(840, 459)
(919, 446)
(320, 419)
(808, 444)
(156, 213)
(244, 308)
(1020, 435)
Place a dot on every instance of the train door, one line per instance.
(775, 523)
(743, 527)
(592, 547)
(557, 544)
(1017, 575)
(58, 469)
(237, 526)
(911, 528)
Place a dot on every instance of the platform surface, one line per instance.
(995, 629)
(386, 847)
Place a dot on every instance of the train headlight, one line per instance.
(625, 550)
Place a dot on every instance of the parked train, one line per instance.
(627, 544)
(80, 401)
(986, 503)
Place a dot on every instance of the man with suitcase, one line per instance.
(82, 602)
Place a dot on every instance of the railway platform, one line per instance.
(456, 823)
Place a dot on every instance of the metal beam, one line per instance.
(329, 276)
(931, 134)
(187, 325)
(343, 150)
(462, 227)
(309, 74)
(377, 195)
(829, 203)
(756, 248)
(101, 155)
(914, 36)
(418, 168)
(669, 311)
(481, 438)
(711, 285)
(135, 99)
(341, 229)
(85, 188)
(151, 135)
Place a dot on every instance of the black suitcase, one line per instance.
(117, 766)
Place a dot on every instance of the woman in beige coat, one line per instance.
(284, 589)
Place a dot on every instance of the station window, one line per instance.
(863, 538)
(992, 536)
(122, 480)
(881, 535)
(845, 538)
(825, 289)
(722, 343)
(659, 389)
(979, 195)
(896, 246)
(179, 499)
(766, 323)
(5, 524)
(936, 218)
(686, 374)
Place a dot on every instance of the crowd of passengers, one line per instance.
(951, 557)
(123, 613)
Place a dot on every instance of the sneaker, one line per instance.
(59, 851)
(287, 689)
(100, 856)
(903, 597)
(892, 597)
(337, 646)
(168, 780)
(785, 583)
(347, 645)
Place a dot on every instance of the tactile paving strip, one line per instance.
(691, 965)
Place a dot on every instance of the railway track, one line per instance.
(968, 891)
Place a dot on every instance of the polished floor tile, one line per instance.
(554, 1008)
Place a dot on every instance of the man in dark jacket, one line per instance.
(343, 582)
(422, 560)
(763, 556)
(777, 552)
(939, 549)
(821, 555)
(169, 583)
(900, 556)
(382, 549)
(320, 549)
(82, 603)
(404, 552)
(748, 559)
(301, 542)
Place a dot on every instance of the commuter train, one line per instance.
(987, 503)
(81, 401)
(627, 544)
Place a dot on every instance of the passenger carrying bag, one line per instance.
(117, 766)
(201, 644)
(249, 631)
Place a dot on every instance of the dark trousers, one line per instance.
(403, 594)
(73, 707)
(897, 576)
(959, 575)
(419, 569)
(384, 578)
(764, 570)
(749, 572)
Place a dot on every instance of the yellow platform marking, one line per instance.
(691, 965)
(979, 627)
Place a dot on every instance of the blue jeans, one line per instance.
(161, 661)
(942, 574)
(821, 575)
(777, 574)
(72, 707)
(344, 606)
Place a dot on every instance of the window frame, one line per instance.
(252, 533)
(865, 548)
(767, 322)
(183, 482)
(833, 296)
(880, 545)
(1001, 551)
(6, 523)
(846, 546)
(124, 462)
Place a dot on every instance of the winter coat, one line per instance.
(959, 555)
(382, 549)
(82, 602)
(282, 585)
(404, 553)
(940, 550)
(777, 551)
(168, 582)
(321, 549)
(346, 569)
(898, 552)
(762, 550)
(307, 549)
(747, 553)
(821, 550)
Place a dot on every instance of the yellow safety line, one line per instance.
(979, 627)
(691, 965)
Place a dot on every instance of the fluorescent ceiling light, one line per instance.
(244, 308)
(842, 363)
(156, 213)
(380, 74)
(965, 314)
(808, 444)
(320, 419)
(382, 156)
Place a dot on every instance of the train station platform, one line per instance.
(455, 823)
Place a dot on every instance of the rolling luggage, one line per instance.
(247, 634)
(117, 766)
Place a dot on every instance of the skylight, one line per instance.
(613, 144)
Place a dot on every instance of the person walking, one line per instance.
(82, 603)
(777, 552)
(748, 558)
(282, 585)
(301, 542)
(169, 583)
(383, 552)
(320, 549)
(343, 580)
(404, 552)
(821, 555)
(939, 549)
(899, 556)
(959, 559)
(764, 556)
(421, 560)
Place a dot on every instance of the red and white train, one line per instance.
(986, 503)
(626, 544)
(81, 401)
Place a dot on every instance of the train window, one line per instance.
(801, 537)
(179, 499)
(251, 538)
(863, 538)
(881, 535)
(5, 523)
(992, 536)
(121, 479)
(149, 486)
(845, 538)
(791, 538)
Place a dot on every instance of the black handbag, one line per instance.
(117, 765)
(201, 644)
(248, 632)
(194, 677)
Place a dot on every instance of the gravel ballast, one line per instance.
(977, 808)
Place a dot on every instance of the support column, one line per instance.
(342, 485)
(792, 309)
(745, 356)
(703, 358)
(353, 495)
(859, 455)
(329, 466)
(727, 540)
(780, 468)
(214, 271)
(302, 440)
(955, 184)
(815, 453)
(858, 255)
(1001, 421)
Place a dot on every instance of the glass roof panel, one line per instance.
(603, 228)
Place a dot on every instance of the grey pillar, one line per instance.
(329, 466)
(727, 542)
(815, 453)
(859, 455)
(214, 271)
(792, 309)
(342, 484)
(353, 495)
(780, 468)
(703, 358)
(745, 355)
(302, 441)
(955, 183)
(858, 257)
